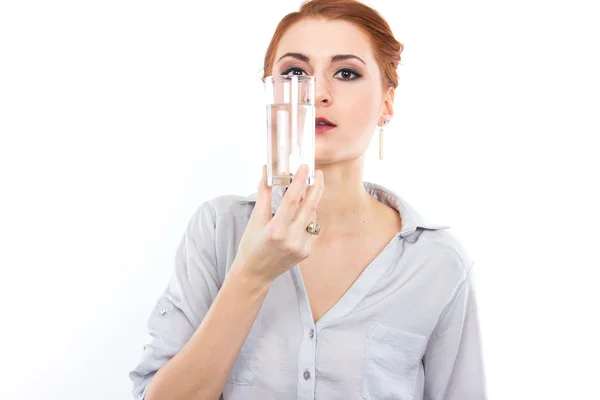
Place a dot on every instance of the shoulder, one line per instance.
(230, 204)
(445, 245)
(219, 211)
(227, 204)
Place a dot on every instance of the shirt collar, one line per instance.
(411, 219)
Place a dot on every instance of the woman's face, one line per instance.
(349, 91)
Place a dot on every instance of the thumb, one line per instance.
(263, 201)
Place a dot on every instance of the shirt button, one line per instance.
(311, 334)
(306, 375)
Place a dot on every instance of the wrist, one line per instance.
(247, 280)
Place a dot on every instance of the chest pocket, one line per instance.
(393, 359)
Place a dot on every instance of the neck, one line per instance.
(345, 204)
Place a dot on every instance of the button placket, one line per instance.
(307, 350)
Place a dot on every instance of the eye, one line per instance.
(348, 74)
(294, 70)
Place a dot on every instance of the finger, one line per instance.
(263, 200)
(308, 209)
(293, 197)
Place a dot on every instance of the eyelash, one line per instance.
(350, 70)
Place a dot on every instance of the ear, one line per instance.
(388, 105)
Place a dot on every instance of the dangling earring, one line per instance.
(381, 142)
(381, 139)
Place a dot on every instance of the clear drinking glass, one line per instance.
(290, 101)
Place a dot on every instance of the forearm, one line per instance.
(200, 370)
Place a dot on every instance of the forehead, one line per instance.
(318, 38)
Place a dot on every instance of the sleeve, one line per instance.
(190, 292)
(453, 361)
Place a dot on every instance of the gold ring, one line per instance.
(313, 228)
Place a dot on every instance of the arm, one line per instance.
(201, 368)
(196, 340)
(453, 360)
(185, 362)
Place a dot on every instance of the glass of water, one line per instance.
(290, 101)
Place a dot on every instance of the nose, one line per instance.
(322, 92)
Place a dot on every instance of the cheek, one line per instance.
(361, 110)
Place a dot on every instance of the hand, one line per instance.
(272, 245)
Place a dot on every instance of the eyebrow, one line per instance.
(338, 57)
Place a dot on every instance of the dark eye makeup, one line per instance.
(347, 74)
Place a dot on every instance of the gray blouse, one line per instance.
(407, 329)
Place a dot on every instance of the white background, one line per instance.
(118, 118)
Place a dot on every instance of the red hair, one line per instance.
(386, 48)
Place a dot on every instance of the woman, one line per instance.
(378, 305)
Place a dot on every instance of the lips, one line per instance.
(323, 125)
(321, 121)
